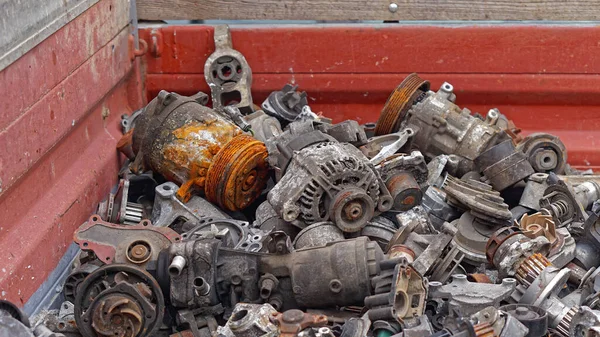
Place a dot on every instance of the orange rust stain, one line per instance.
(238, 174)
(195, 144)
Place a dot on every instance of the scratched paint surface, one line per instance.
(59, 124)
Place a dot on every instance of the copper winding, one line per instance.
(398, 103)
(564, 326)
(484, 330)
(238, 173)
(531, 268)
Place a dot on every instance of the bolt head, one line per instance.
(393, 7)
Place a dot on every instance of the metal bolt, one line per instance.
(393, 7)
(521, 311)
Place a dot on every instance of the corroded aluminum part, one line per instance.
(228, 74)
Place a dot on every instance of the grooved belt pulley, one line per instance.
(238, 173)
(197, 147)
(399, 102)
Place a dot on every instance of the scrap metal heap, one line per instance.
(233, 221)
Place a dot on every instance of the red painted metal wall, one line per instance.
(61, 102)
(59, 123)
(543, 77)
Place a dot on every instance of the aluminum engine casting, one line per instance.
(467, 298)
(228, 74)
(330, 181)
(441, 126)
(203, 274)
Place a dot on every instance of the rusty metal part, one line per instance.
(428, 248)
(238, 173)
(513, 249)
(405, 176)
(399, 102)
(177, 137)
(564, 326)
(124, 145)
(546, 153)
(484, 203)
(193, 145)
(531, 268)
(503, 165)
(228, 74)
(478, 278)
(293, 321)
(117, 315)
(401, 251)
(114, 243)
(410, 292)
(119, 300)
(484, 330)
(538, 224)
(497, 239)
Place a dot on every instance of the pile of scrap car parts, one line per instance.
(237, 220)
